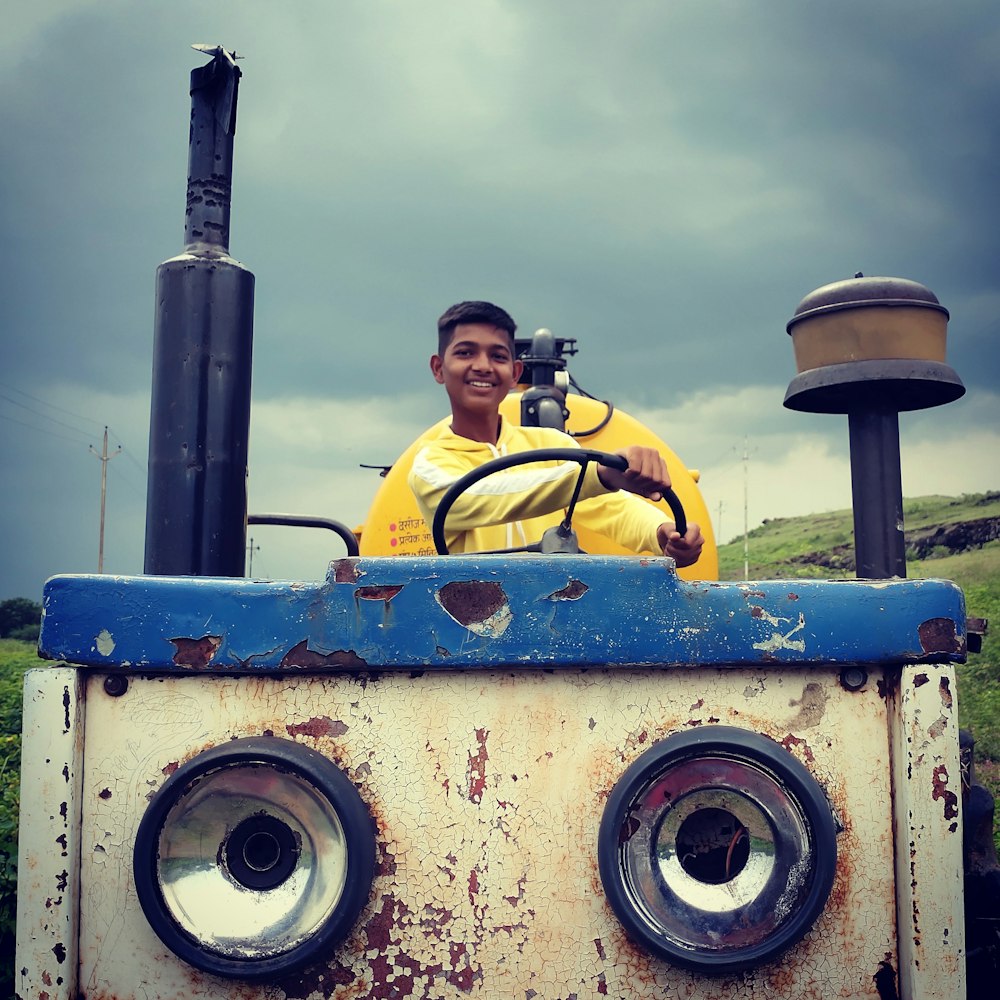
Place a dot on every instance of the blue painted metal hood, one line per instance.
(495, 611)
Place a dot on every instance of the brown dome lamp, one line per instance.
(871, 347)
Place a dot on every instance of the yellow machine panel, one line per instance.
(395, 527)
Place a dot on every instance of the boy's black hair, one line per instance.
(473, 312)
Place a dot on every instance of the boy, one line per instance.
(476, 365)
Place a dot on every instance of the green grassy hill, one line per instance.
(822, 545)
(954, 538)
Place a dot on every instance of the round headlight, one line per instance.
(717, 849)
(254, 858)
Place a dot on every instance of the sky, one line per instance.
(664, 181)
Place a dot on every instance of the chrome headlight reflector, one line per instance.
(254, 858)
(717, 849)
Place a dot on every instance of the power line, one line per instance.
(51, 406)
(41, 430)
(128, 454)
(44, 416)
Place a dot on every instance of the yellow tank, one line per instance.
(394, 526)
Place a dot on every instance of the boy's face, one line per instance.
(478, 368)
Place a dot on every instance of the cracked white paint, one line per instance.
(928, 833)
(48, 913)
(105, 642)
(487, 789)
(782, 640)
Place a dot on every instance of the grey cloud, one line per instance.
(665, 182)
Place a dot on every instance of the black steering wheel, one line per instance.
(558, 539)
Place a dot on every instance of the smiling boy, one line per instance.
(476, 365)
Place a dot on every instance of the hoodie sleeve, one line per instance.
(512, 495)
(626, 519)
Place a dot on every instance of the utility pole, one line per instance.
(746, 491)
(251, 548)
(105, 458)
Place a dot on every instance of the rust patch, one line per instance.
(939, 635)
(104, 793)
(196, 653)
(344, 571)
(300, 655)
(793, 596)
(944, 688)
(378, 593)
(888, 684)
(319, 726)
(885, 979)
(937, 727)
(379, 929)
(472, 601)
(793, 741)
(939, 780)
(573, 591)
(168, 769)
(477, 768)
(920, 680)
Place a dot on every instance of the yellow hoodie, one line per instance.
(514, 507)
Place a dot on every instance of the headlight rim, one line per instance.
(814, 808)
(305, 763)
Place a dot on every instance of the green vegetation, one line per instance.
(15, 657)
(822, 545)
(944, 538)
(20, 619)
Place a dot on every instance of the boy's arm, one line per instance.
(640, 527)
(685, 549)
(514, 495)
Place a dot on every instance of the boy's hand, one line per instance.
(684, 551)
(646, 474)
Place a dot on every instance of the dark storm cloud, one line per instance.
(678, 175)
(663, 181)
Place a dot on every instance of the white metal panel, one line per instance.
(487, 789)
(928, 798)
(48, 855)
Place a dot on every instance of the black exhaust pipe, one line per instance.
(196, 503)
